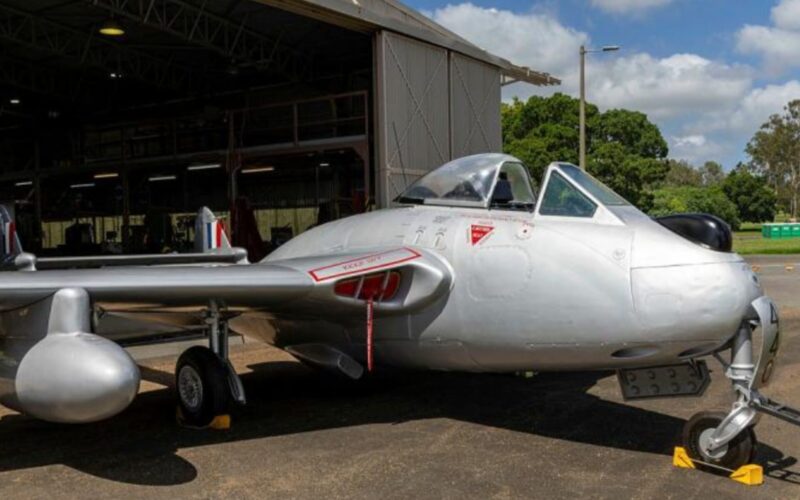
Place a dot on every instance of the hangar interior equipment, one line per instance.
(120, 118)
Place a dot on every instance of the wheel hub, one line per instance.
(705, 443)
(190, 387)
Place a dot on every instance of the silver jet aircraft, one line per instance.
(471, 271)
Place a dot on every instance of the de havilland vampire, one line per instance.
(470, 271)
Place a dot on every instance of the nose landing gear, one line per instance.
(728, 440)
(697, 432)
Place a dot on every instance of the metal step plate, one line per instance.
(683, 379)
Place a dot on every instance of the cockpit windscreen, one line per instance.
(603, 193)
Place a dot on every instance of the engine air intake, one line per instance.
(378, 286)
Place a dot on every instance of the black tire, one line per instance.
(201, 386)
(740, 451)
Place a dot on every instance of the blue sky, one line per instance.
(708, 72)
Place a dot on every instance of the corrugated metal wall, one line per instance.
(474, 107)
(413, 124)
(432, 105)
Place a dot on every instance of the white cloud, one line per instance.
(690, 141)
(778, 45)
(747, 115)
(786, 15)
(666, 87)
(534, 39)
(660, 87)
(762, 102)
(708, 109)
(628, 6)
(696, 149)
(780, 48)
(731, 126)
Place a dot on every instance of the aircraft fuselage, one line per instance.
(535, 293)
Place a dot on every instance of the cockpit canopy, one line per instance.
(501, 181)
(484, 180)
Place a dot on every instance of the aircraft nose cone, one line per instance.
(697, 301)
(76, 378)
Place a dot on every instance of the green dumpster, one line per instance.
(780, 231)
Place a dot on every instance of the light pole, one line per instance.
(583, 52)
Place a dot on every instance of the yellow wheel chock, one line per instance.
(219, 423)
(750, 474)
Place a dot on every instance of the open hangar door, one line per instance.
(111, 142)
(433, 105)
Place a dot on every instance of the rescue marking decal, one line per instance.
(477, 232)
(359, 265)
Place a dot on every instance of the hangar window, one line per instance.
(562, 198)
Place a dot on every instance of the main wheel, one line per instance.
(740, 451)
(201, 384)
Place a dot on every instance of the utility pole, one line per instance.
(582, 125)
(582, 156)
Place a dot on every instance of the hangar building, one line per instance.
(120, 118)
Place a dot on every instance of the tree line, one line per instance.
(627, 151)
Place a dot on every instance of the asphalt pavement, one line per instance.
(420, 435)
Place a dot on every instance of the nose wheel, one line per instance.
(697, 433)
(727, 440)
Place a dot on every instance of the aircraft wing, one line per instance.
(233, 255)
(211, 245)
(156, 287)
(398, 279)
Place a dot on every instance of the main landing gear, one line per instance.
(728, 440)
(205, 380)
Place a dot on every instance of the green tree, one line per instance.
(629, 175)
(624, 149)
(775, 153)
(754, 200)
(688, 199)
(682, 173)
(711, 174)
(632, 130)
(543, 130)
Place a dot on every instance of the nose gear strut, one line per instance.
(728, 440)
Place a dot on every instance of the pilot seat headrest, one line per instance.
(502, 191)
